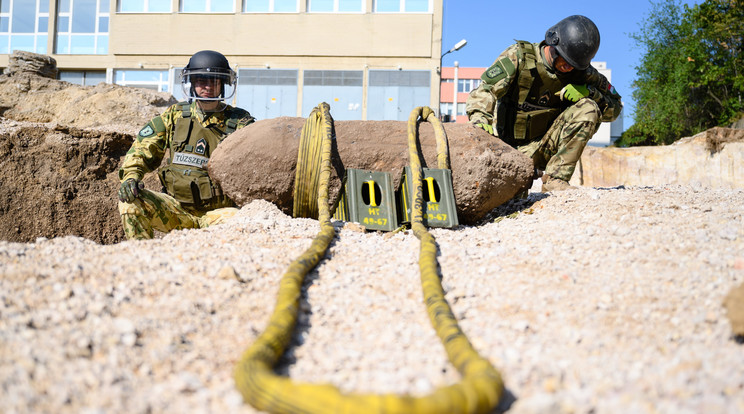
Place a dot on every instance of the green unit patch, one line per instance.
(147, 131)
(502, 68)
(494, 71)
(155, 126)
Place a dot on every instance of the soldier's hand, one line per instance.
(573, 93)
(130, 189)
(486, 127)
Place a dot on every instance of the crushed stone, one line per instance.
(594, 300)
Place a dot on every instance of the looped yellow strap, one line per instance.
(480, 379)
(478, 392)
(427, 114)
(305, 195)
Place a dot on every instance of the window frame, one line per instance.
(39, 35)
(363, 8)
(146, 8)
(468, 85)
(64, 40)
(207, 7)
(81, 76)
(402, 8)
(272, 8)
(446, 108)
(164, 84)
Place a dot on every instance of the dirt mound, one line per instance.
(60, 147)
(27, 97)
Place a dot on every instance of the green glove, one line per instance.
(573, 92)
(486, 127)
(130, 189)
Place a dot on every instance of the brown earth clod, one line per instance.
(60, 148)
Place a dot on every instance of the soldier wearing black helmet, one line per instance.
(546, 100)
(190, 131)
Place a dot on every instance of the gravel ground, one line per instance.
(588, 301)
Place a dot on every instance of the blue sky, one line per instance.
(490, 26)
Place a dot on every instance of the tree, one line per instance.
(691, 76)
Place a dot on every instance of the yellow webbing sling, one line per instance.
(481, 387)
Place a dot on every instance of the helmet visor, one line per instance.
(209, 84)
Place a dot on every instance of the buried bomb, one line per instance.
(259, 161)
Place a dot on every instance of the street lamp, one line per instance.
(459, 45)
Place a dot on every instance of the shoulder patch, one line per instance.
(501, 69)
(154, 127)
(146, 131)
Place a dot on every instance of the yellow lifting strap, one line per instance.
(481, 387)
(309, 158)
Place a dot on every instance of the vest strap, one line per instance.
(526, 77)
(185, 109)
(231, 126)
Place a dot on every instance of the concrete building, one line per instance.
(369, 59)
(465, 79)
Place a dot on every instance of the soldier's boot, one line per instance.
(555, 184)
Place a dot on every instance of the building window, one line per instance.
(85, 78)
(144, 6)
(149, 79)
(402, 6)
(445, 111)
(335, 6)
(271, 6)
(461, 109)
(24, 25)
(467, 85)
(82, 27)
(207, 6)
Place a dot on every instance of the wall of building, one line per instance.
(366, 43)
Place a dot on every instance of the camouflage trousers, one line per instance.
(558, 151)
(159, 211)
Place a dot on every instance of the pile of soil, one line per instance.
(60, 149)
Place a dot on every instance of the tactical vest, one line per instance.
(185, 176)
(530, 105)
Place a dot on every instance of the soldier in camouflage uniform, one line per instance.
(546, 100)
(190, 131)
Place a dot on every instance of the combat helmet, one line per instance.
(576, 38)
(212, 65)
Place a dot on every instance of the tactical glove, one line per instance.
(573, 92)
(486, 127)
(130, 189)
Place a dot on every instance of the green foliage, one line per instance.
(691, 77)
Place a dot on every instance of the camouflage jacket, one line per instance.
(502, 79)
(156, 136)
